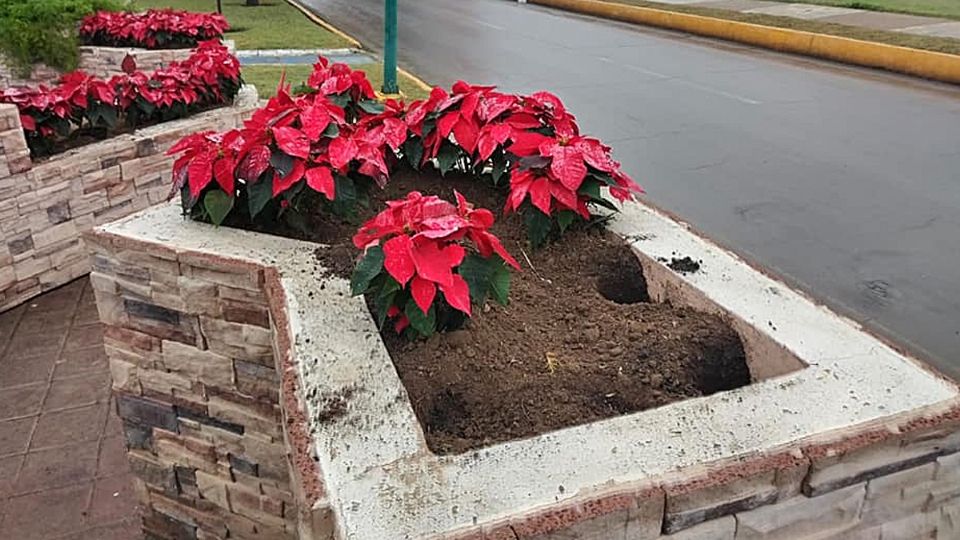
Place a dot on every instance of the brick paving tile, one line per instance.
(81, 362)
(19, 371)
(57, 467)
(47, 513)
(78, 391)
(64, 474)
(22, 400)
(15, 435)
(113, 457)
(65, 427)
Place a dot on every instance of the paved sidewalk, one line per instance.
(874, 20)
(63, 469)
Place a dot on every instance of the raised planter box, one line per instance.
(103, 62)
(259, 401)
(46, 206)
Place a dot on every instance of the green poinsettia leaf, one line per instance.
(217, 204)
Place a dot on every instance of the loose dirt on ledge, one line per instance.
(578, 341)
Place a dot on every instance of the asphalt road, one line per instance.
(843, 181)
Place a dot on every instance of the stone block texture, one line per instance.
(905, 500)
(102, 62)
(197, 390)
(45, 206)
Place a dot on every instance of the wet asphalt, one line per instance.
(843, 181)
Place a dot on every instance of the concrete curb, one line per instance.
(927, 64)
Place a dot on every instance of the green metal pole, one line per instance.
(390, 47)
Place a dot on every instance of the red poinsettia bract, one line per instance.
(554, 176)
(421, 238)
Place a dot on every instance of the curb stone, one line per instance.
(926, 64)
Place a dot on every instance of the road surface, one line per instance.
(843, 181)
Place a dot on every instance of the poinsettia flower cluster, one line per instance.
(209, 76)
(152, 29)
(339, 80)
(289, 143)
(534, 139)
(42, 109)
(551, 172)
(421, 239)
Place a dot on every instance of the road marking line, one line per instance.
(711, 90)
(485, 23)
(647, 71)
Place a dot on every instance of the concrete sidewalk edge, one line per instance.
(927, 64)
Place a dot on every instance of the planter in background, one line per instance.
(47, 205)
(103, 62)
(259, 401)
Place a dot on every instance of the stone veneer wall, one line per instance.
(197, 380)
(187, 337)
(45, 206)
(903, 487)
(102, 62)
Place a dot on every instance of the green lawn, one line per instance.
(266, 77)
(945, 45)
(935, 8)
(274, 24)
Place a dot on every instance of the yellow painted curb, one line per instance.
(310, 15)
(927, 64)
(416, 80)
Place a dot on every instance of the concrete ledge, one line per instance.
(836, 422)
(927, 64)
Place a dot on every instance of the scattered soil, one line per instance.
(578, 342)
(684, 265)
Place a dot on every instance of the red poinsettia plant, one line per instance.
(555, 173)
(416, 266)
(47, 113)
(210, 76)
(152, 29)
(292, 153)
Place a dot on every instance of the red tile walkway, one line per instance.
(63, 472)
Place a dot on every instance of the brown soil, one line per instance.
(578, 341)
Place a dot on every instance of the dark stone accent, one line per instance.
(157, 477)
(683, 520)
(21, 245)
(210, 421)
(240, 464)
(59, 212)
(138, 437)
(257, 380)
(186, 477)
(146, 412)
(146, 147)
(166, 527)
(884, 470)
(109, 162)
(245, 314)
(150, 311)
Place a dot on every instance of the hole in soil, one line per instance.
(621, 280)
